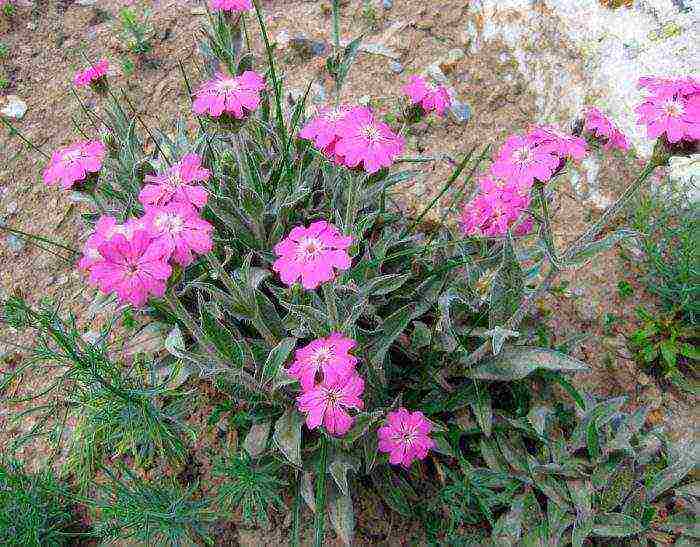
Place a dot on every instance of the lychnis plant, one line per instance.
(267, 241)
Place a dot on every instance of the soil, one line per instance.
(48, 42)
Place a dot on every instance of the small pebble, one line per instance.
(388, 4)
(16, 244)
(396, 67)
(461, 111)
(11, 208)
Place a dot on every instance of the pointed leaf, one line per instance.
(506, 288)
(277, 357)
(508, 527)
(342, 516)
(516, 363)
(668, 478)
(338, 468)
(256, 439)
(482, 408)
(287, 436)
(615, 525)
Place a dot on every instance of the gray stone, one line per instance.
(396, 67)
(14, 107)
(388, 4)
(15, 243)
(306, 48)
(461, 112)
(11, 208)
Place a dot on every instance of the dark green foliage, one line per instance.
(252, 487)
(667, 346)
(36, 510)
(671, 227)
(136, 31)
(118, 409)
(151, 513)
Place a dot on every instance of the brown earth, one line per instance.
(46, 45)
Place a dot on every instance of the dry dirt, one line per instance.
(46, 44)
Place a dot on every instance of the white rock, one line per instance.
(686, 172)
(14, 108)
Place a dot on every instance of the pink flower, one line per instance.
(323, 128)
(674, 115)
(104, 230)
(176, 184)
(497, 209)
(365, 141)
(405, 437)
(327, 403)
(673, 108)
(312, 254)
(659, 86)
(73, 163)
(562, 145)
(91, 74)
(231, 94)
(521, 161)
(180, 228)
(429, 96)
(602, 127)
(231, 5)
(324, 355)
(133, 268)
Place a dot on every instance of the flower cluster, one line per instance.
(312, 254)
(430, 97)
(232, 95)
(330, 384)
(178, 184)
(603, 128)
(74, 163)
(134, 259)
(93, 76)
(672, 109)
(232, 5)
(504, 192)
(352, 137)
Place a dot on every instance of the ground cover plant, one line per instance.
(346, 343)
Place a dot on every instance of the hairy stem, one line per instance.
(580, 244)
(320, 520)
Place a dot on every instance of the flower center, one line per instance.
(174, 179)
(523, 155)
(310, 248)
(371, 133)
(323, 355)
(169, 222)
(72, 156)
(673, 108)
(333, 396)
(406, 435)
(228, 86)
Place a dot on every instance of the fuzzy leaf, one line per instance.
(384, 284)
(277, 357)
(482, 408)
(668, 478)
(516, 363)
(363, 422)
(421, 335)
(256, 439)
(538, 417)
(338, 468)
(615, 525)
(508, 527)
(342, 516)
(581, 530)
(692, 489)
(287, 436)
(506, 287)
(604, 244)
(222, 339)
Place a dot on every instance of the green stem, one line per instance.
(546, 225)
(351, 204)
(17, 132)
(442, 192)
(320, 520)
(331, 306)
(275, 82)
(296, 514)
